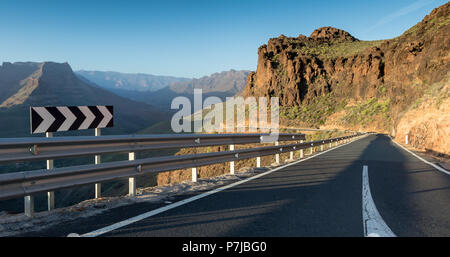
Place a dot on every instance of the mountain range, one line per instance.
(129, 81)
(25, 84)
(221, 84)
(140, 101)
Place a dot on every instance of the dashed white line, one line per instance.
(374, 225)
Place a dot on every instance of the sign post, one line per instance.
(50, 195)
(66, 118)
(98, 160)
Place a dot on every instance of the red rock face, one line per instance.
(331, 60)
(332, 63)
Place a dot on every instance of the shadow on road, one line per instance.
(321, 196)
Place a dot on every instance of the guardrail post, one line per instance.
(232, 162)
(406, 139)
(258, 162)
(29, 205)
(301, 150)
(321, 147)
(98, 186)
(131, 180)
(194, 174)
(291, 155)
(277, 156)
(50, 195)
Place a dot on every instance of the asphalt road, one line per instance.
(318, 197)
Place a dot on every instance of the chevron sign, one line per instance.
(64, 118)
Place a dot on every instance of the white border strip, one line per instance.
(374, 225)
(129, 221)
(420, 158)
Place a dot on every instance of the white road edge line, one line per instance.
(374, 225)
(420, 158)
(129, 221)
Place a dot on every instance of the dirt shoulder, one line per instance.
(438, 159)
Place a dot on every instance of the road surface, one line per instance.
(321, 196)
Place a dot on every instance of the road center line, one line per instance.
(374, 225)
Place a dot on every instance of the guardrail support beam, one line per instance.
(232, 162)
(98, 186)
(301, 150)
(98, 190)
(131, 180)
(194, 174)
(29, 205)
(277, 156)
(50, 195)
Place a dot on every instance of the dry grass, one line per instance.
(341, 49)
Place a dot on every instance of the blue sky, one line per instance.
(183, 38)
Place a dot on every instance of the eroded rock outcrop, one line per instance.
(300, 70)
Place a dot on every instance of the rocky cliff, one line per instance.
(332, 79)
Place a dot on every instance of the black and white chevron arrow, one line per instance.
(64, 118)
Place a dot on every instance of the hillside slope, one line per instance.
(333, 80)
(54, 84)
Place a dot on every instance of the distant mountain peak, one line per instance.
(54, 68)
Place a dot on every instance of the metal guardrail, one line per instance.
(34, 149)
(27, 183)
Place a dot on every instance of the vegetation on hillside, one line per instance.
(433, 24)
(339, 49)
(315, 113)
(365, 112)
